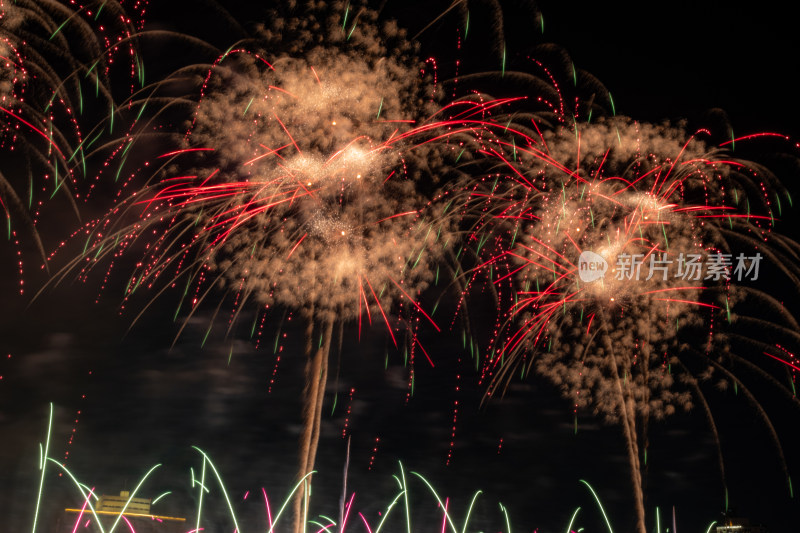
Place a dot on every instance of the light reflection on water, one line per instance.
(147, 405)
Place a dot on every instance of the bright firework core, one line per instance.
(618, 250)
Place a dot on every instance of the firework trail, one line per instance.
(611, 247)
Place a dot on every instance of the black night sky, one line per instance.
(127, 397)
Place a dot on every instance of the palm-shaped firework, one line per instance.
(318, 214)
(299, 185)
(610, 247)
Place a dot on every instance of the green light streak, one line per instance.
(227, 52)
(81, 489)
(288, 499)
(728, 308)
(658, 521)
(221, 486)
(419, 256)
(572, 520)
(119, 169)
(57, 181)
(508, 522)
(42, 462)
(140, 70)
(78, 149)
(159, 497)
(132, 495)
(253, 326)
(64, 24)
(202, 487)
(87, 75)
(600, 505)
(405, 497)
(388, 510)
(208, 330)
(321, 526)
(441, 503)
(96, 137)
(469, 510)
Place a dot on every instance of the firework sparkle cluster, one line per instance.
(318, 166)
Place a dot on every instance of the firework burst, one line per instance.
(303, 182)
(610, 248)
